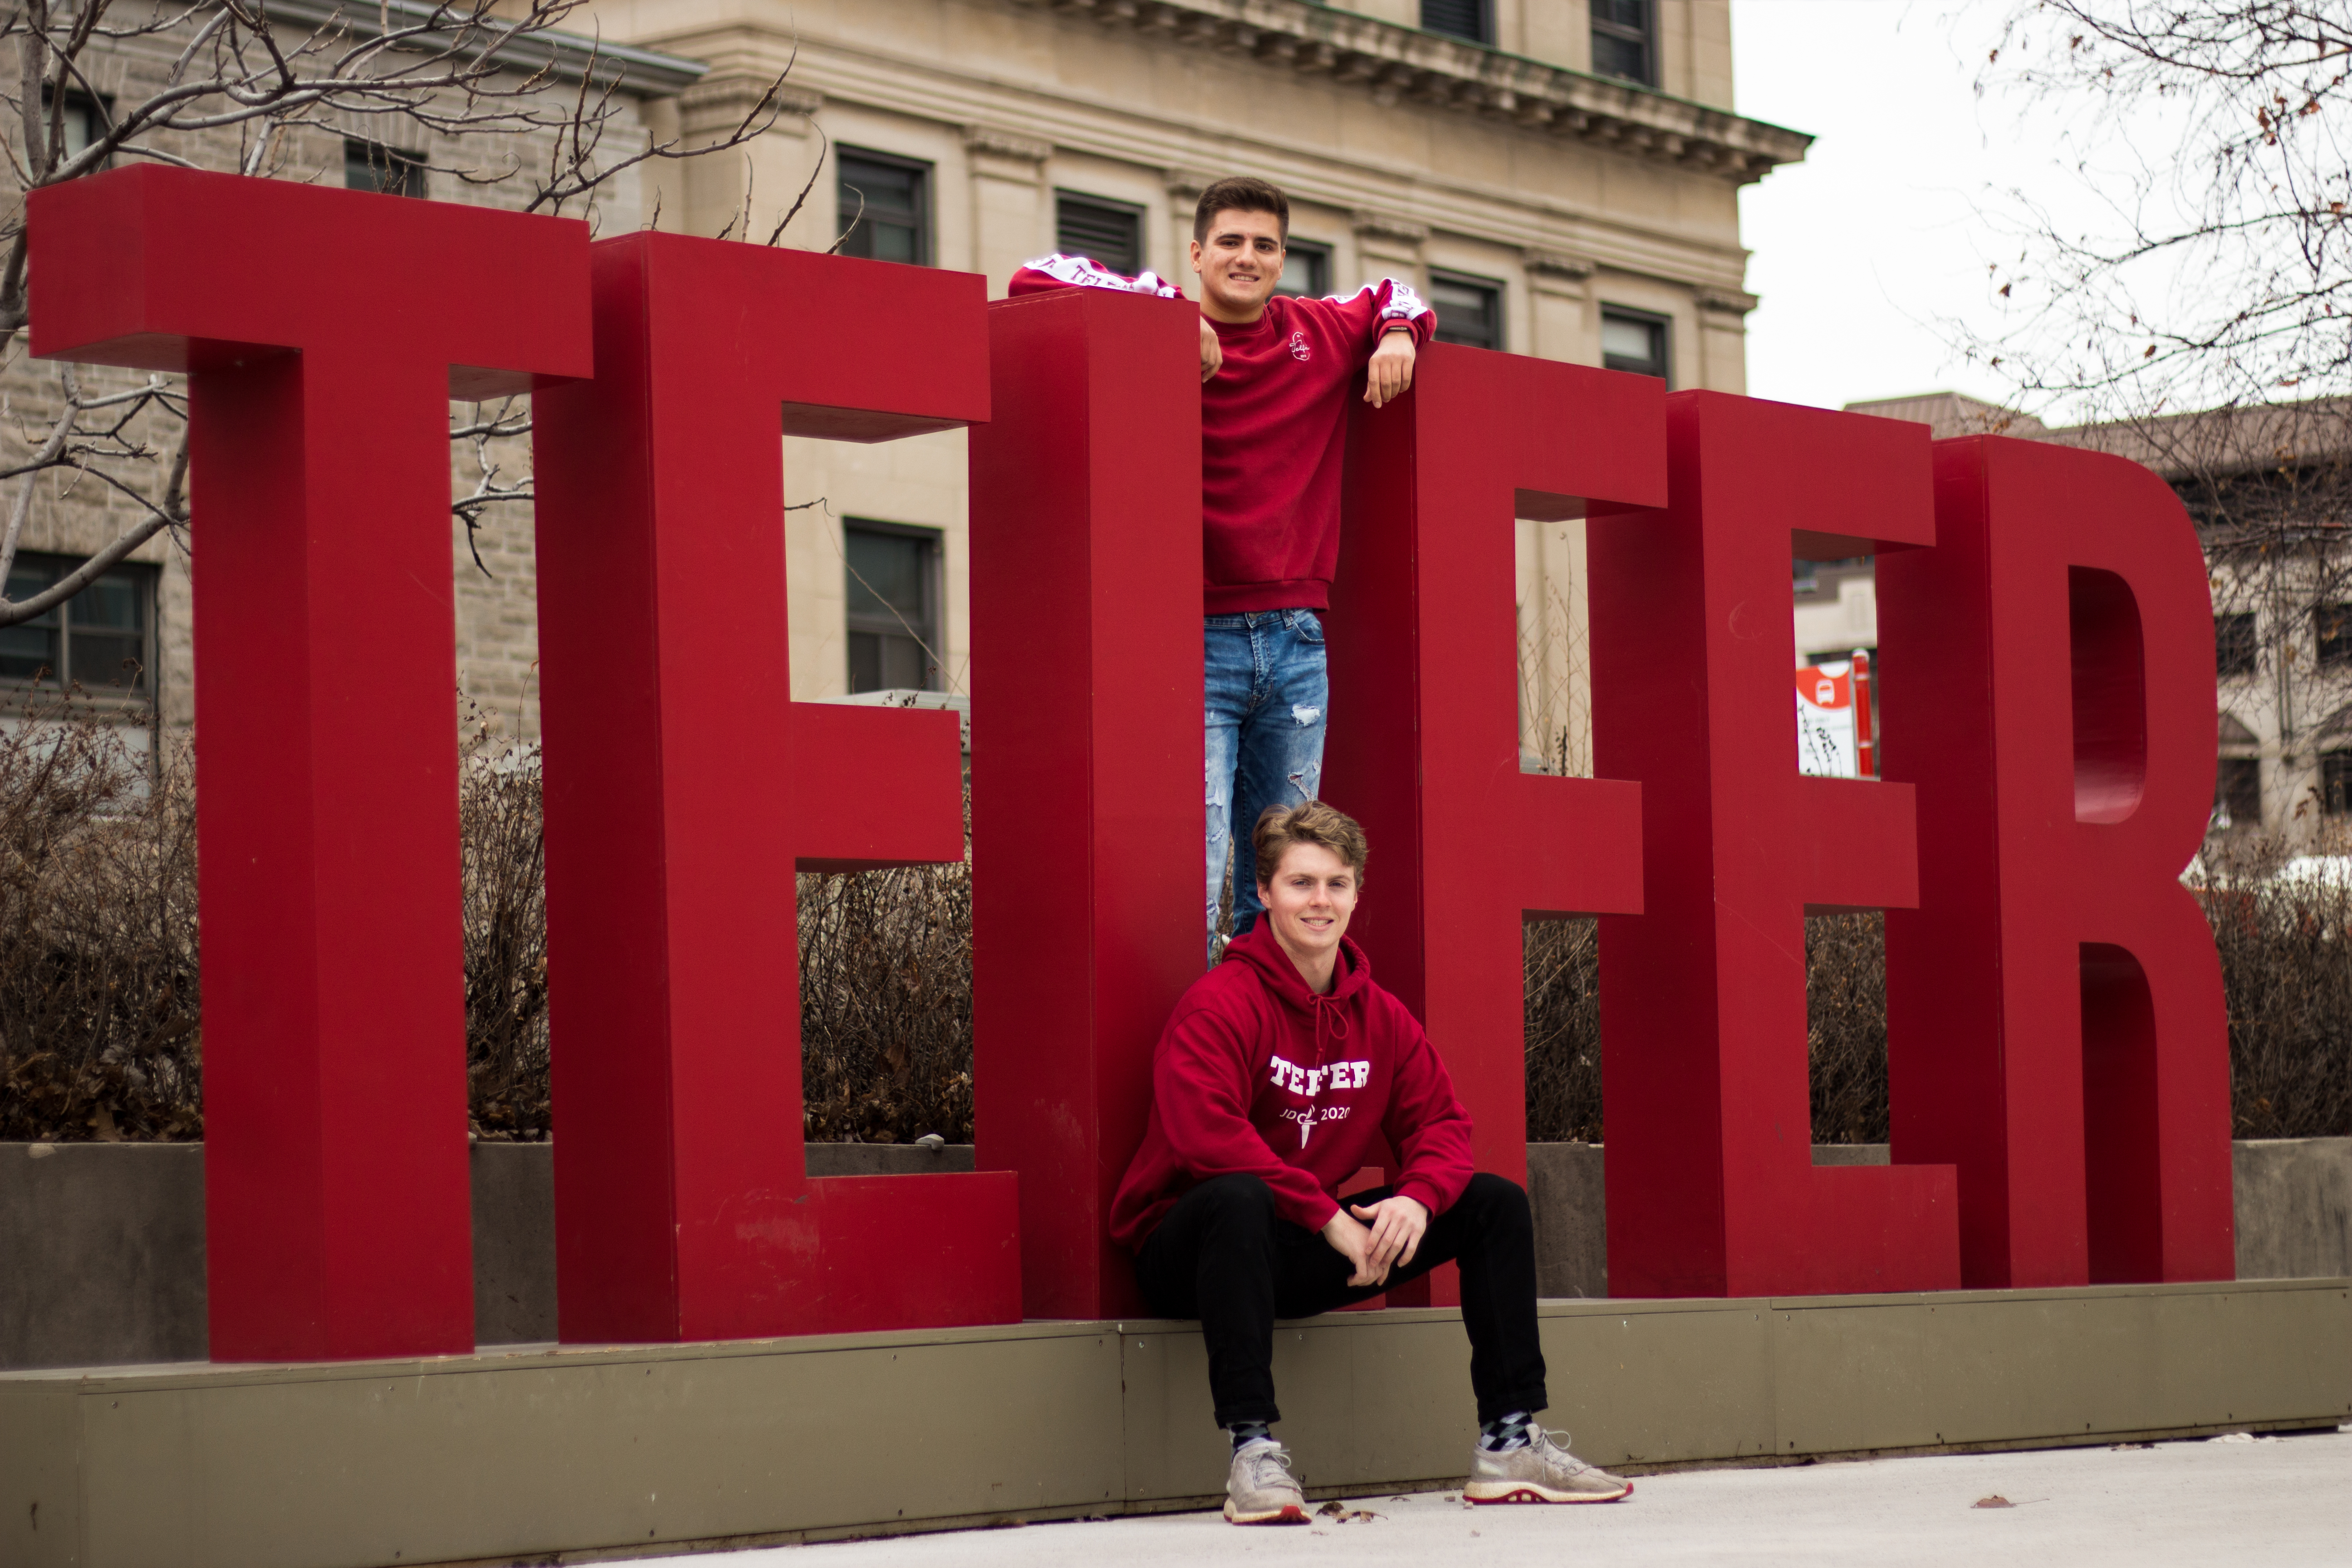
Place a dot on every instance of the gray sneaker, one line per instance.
(1258, 1488)
(1543, 1470)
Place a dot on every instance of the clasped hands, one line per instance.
(1376, 1238)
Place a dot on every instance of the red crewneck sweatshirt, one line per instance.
(1274, 431)
(1256, 1075)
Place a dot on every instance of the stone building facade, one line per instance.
(142, 610)
(1549, 199)
(1547, 210)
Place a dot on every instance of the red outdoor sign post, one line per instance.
(1712, 1187)
(2055, 1002)
(1086, 811)
(1424, 747)
(335, 1190)
(685, 787)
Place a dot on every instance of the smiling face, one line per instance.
(1238, 264)
(1310, 902)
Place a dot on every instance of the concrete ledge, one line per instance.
(627, 1450)
(102, 1246)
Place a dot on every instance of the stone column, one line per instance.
(1011, 212)
(752, 186)
(1722, 339)
(1389, 246)
(1559, 296)
(1184, 188)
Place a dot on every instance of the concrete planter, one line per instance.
(102, 1247)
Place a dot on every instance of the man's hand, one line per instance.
(1390, 373)
(1354, 1243)
(1212, 352)
(1396, 1226)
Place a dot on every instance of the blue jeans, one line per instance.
(1268, 692)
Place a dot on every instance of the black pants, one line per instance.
(1223, 1255)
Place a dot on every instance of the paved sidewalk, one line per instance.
(2280, 1502)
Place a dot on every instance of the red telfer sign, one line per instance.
(2057, 1043)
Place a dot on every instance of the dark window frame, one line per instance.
(1455, 16)
(1491, 287)
(1317, 257)
(391, 171)
(933, 625)
(99, 106)
(1643, 35)
(925, 189)
(2336, 782)
(2238, 784)
(2237, 645)
(62, 621)
(2331, 635)
(1133, 212)
(1662, 336)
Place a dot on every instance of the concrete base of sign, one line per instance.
(629, 1449)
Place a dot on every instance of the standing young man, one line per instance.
(1275, 376)
(1283, 1072)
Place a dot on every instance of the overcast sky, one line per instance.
(1866, 251)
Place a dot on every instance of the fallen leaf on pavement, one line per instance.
(1996, 1501)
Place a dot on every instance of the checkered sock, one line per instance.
(1245, 1432)
(1503, 1436)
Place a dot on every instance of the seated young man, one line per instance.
(1281, 1073)
(1275, 375)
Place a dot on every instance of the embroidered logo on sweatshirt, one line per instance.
(1300, 349)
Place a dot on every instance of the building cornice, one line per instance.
(567, 56)
(1395, 64)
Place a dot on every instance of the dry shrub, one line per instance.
(886, 1004)
(2286, 968)
(502, 853)
(98, 1007)
(1845, 1006)
(1845, 1026)
(1563, 1031)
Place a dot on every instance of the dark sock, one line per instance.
(1503, 1436)
(1247, 1432)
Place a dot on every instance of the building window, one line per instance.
(1634, 341)
(1621, 41)
(372, 167)
(893, 589)
(83, 119)
(2235, 651)
(2238, 793)
(2335, 783)
(1305, 271)
(885, 203)
(1470, 19)
(2332, 628)
(101, 639)
(1110, 234)
(1469, 311)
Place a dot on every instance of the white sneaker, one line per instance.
(1259, 1488)
(1540, 1470)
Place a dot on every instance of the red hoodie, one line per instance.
(1274, 431)
(1256, 1075)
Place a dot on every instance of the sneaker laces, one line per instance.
(1555, 1446)
(1261, 1455)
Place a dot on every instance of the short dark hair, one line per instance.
(1241, 192)
(1281, 828)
